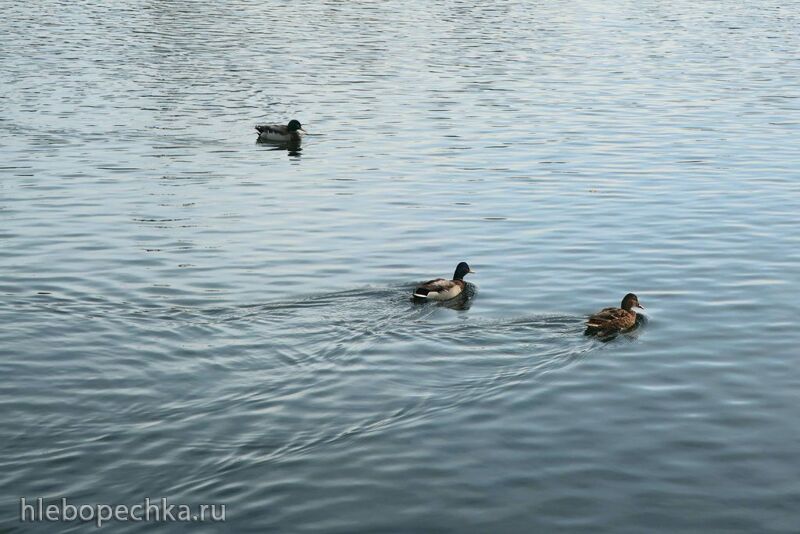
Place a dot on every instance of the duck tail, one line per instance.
(600, 332)
(593, 328)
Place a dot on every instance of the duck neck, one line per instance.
(629, 308)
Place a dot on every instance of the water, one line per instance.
(187, 314)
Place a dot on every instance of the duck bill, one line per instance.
(640, 306)
(302, 130)
(471, 271)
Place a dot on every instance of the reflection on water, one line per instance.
(189, 314)
(292, 148)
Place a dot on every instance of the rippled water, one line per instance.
(188, 314)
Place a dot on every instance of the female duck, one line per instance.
(441, 289)
(610, 321)
(291, 133)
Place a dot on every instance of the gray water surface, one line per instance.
(187, 314)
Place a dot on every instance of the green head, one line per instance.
(462, 270)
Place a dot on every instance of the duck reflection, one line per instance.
(461, 302)
(292, 148)
(631, 334)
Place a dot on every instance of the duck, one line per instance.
(291, 133)
(441, 289)
(610, 321)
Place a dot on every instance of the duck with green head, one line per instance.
(290, 133)
(441, 289)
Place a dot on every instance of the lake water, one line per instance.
(187, 314)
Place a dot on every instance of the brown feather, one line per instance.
(610, 321)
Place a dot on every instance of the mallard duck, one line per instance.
(441, 289)
(292, 132)
(610, 321)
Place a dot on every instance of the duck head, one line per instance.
(630, 301)
(462, 270)
(294, 125)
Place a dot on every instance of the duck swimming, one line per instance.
(291, 133)
(441, 289)
(610, 321)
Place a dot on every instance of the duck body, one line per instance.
(610, 321)
(280, 133)
(441, 289)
